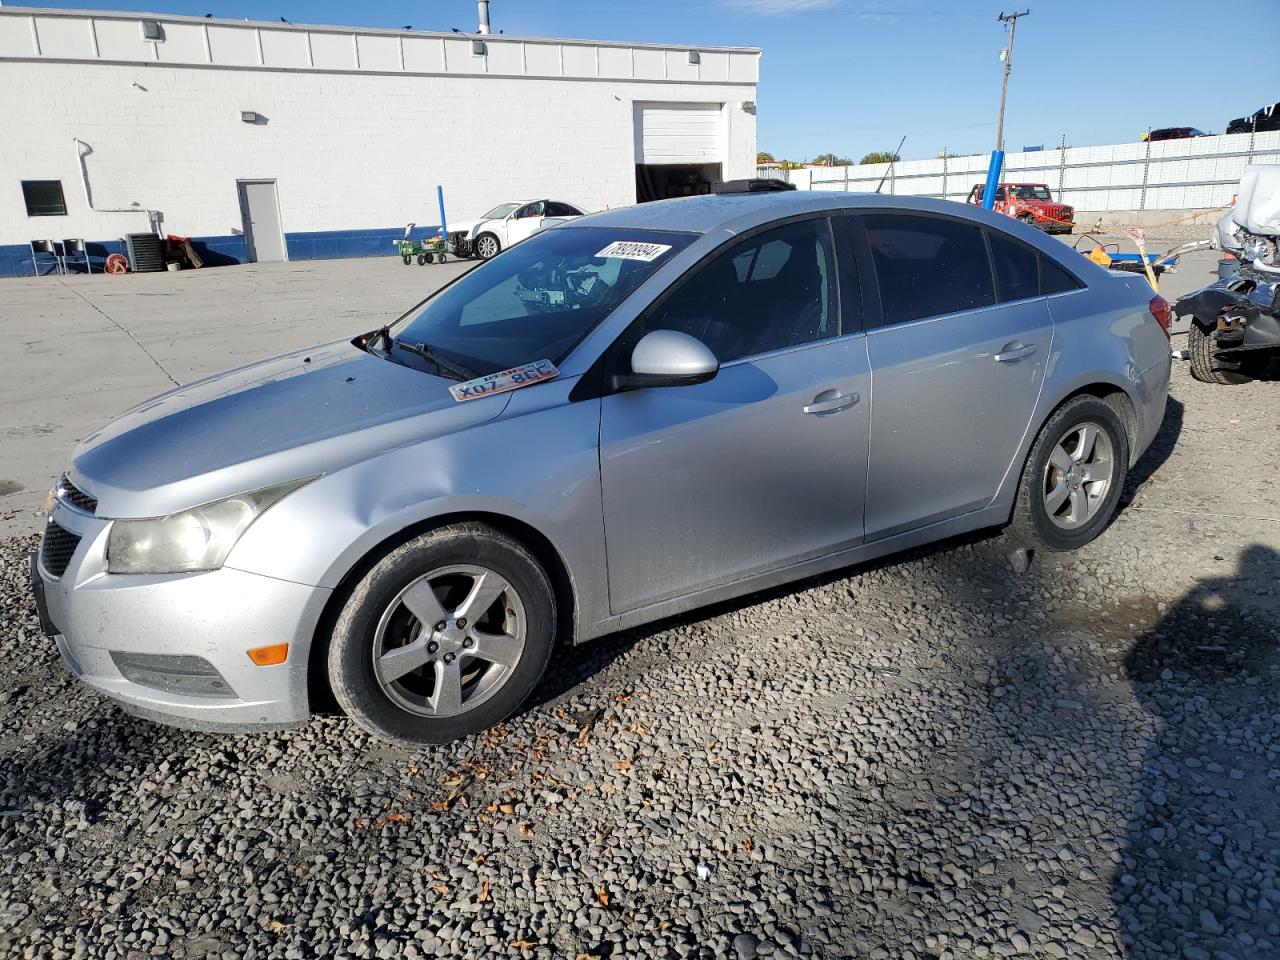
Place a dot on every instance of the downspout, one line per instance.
(83, 150)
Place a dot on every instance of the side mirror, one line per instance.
(667, 358)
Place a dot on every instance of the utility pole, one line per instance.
(1007, 56)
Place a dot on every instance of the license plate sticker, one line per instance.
(505, 380)
(633, 250)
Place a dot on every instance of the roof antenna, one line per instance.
(889, 169)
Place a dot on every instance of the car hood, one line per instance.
(299, 415)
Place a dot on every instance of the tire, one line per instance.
(407, 260)
(440, 259)
(1207, 366)
(428, 258)
(486, 246)
(1046, 517)
(422, 258)
(435, 572)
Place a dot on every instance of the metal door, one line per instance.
(763, 466)
(260, 210)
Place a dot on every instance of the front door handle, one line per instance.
(1014, 351)
(831, 401)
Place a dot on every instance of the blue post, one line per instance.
(993, 179)
(444, 230)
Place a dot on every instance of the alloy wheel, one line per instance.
(487, 247)
(1078, 475)
(449, 640)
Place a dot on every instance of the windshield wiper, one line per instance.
(424, 351)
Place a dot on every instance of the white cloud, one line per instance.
(777, 6)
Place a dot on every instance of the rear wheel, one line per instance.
(1207, 365)
(443, 637)
(1073, 476)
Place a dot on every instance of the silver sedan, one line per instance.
(622, 418)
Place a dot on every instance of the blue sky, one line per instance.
(850, 76)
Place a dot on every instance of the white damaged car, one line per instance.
(507, 224)
(1235, 323)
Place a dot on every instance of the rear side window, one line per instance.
(1055, 279)
(928, 266)
(1017, 268)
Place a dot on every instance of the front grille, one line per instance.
(73, 495)
(57, 548)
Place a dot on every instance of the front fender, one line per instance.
(536, 464)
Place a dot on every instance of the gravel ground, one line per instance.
(928, 757)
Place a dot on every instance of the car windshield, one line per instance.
(538, 299)
(501, 211)
(1031, 191)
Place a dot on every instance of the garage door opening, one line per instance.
(680, 149)
(659, 181)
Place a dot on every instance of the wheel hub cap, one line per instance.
(1078, 475)
(449, 640)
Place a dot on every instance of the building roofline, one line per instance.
(341, 29)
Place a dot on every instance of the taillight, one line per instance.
(1163, 312)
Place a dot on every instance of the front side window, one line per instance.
(538, 299)
(772, 291)
(530, 210)
(44, 198)
(928, 266)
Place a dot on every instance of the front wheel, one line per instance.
(444, 637)
(1207, 365)
(487, 246)
(408, 260)
(1073, 476)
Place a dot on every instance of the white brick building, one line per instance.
(106, 129)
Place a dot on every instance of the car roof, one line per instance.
(742, 211)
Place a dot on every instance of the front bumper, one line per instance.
(101, 622)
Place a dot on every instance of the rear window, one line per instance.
(1017, 268)
(928, 266)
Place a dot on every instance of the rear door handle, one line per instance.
(831, 401)
(1014, 351)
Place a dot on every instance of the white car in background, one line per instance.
(506, 224)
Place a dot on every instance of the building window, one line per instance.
(44, 198)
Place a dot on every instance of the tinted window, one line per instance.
(927, 266)
(1017, 268)
(1055, 279)
(773, 291)
(556, 209)
(44, 198)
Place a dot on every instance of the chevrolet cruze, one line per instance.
(622, 418)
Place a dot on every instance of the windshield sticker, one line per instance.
(505, 380)
(631, 250)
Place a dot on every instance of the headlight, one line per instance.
(195, 539)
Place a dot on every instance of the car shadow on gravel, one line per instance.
(1199, 875)
(1157, 454)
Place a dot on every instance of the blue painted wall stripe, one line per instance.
(15, 258)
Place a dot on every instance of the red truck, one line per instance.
(1032, 203)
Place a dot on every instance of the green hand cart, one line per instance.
(427, 250)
